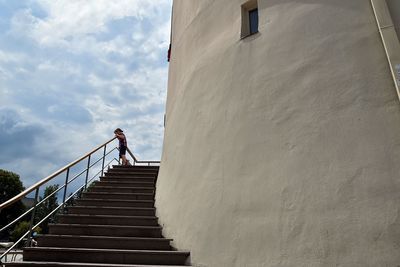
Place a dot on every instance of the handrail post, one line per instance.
(65, 189)
(104, 158)
(33, 217)
(87, 172)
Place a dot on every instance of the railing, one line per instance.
(27, 236)
(141, 162)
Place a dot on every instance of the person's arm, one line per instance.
(120, 136)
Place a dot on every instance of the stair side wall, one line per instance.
(281, 149)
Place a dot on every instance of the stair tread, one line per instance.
(117, 184)
(112, 207)
(109, 250)
(108, 237)
(145, 178)
(136, 166)
(133, 170)
(103, 225)
(127, 177)
(108, 216)
(113, 193)
(129, 187)
(132, 173)
(107, 175)
(116, 203)
(124, 200)
(76, 264)
(116, 189)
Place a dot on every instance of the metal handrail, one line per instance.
(135, 160)
(50, 177)
(56, 191)
(64, 187)
(51, 213)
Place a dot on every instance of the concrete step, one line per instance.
(120, 189)
(123, 211)
(108, 220)
(122, 196)
(119, 179)
(115, 203)
(133, 170)
(130, 175)
(105, 230)
(105, 256)
(133, 183)
(78, 264)
(105, 242)
(145, 182)
(136, 167)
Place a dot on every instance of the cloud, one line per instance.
(16, 136)
(70, 113)
(11, 57)
(73, 71)
(72, 22)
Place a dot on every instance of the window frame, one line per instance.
(249, 6)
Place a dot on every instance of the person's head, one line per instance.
(118, 131)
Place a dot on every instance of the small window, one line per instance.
(249, 18)
(253, 21)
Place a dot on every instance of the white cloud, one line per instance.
(23, 22)
(8, 57)
(68, 19)
(119, 45)
(5, 75)
(90, 66)
(63, 66)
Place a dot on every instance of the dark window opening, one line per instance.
(253, 20)
(249, 18)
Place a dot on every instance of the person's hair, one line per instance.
(118, 130)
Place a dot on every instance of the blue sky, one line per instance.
(71, 71)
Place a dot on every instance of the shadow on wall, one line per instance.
(394, 8)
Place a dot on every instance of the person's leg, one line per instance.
(121, 160)
(124, 160)
(122, 152)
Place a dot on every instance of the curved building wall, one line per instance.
(283, 148)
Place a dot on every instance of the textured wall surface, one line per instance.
(281, 149)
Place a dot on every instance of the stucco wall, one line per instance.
(281, 149)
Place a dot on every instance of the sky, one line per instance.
(71, 71)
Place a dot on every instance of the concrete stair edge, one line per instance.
(83, 264)
(110, 237)
(107, 216)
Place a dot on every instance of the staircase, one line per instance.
(113, 224)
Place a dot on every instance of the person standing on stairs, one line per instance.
(122, 145)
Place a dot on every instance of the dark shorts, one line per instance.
(122, 150)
